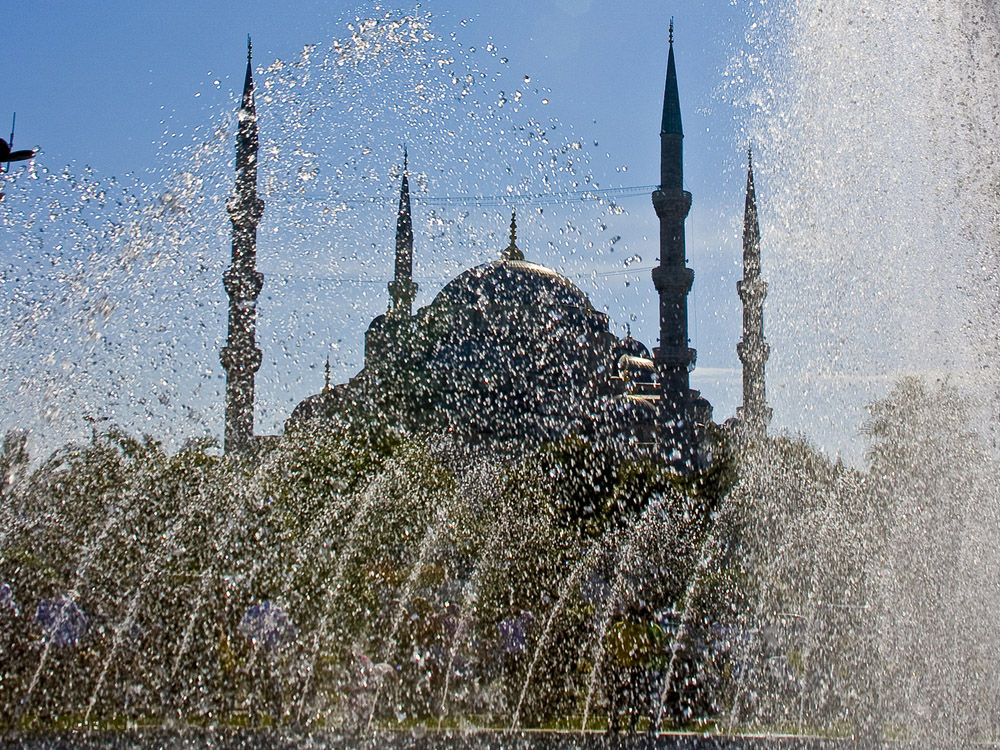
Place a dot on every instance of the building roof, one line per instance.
(512, 281)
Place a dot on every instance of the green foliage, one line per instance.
(589, 487)
(592, 489)
(409, 568)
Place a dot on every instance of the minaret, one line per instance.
(241, 357)
(672, 278)
(755, 414)
(402, 289)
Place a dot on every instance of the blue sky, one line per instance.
(131, 90)
(93, 86)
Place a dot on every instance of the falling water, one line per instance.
(569, 586)
(479, 482)
(878, 136)
(430, 539)
(361, 515)
(870, 585)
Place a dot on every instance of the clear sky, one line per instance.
(143, 94)
(92, 86)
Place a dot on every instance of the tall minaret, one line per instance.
(241, 357)
(755, 414)
(672, 278)
(402, 288)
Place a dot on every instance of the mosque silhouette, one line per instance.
(509, 353)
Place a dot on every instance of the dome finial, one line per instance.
(513, 252)
(326, 384)
(671, 38)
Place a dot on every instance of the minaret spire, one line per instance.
(672, 278)
(402, 289)
(248, 103)
(240, 357)
(753, 350)
(671, 121)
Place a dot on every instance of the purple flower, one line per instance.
(514, 633)
(7, 602)
(62, 621)
(268, 625)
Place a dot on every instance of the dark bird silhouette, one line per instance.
(6, 155)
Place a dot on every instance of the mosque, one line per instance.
(510, 352)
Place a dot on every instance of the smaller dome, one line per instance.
(634, 347)
(330, 406)
(639, 375)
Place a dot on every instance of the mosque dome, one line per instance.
(515, 348)
(515, 282)
(507, 351)
(520, 312)
(512, 293)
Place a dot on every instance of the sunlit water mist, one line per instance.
(879, 144)
(878, 136)
(112, 292)
(861, 601)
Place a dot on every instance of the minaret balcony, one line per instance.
(244, 359)
(675, 357)
(753, 353)
(752, 292)
(243, 283)
(675, 204)
(672, 280)
(245, 210)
